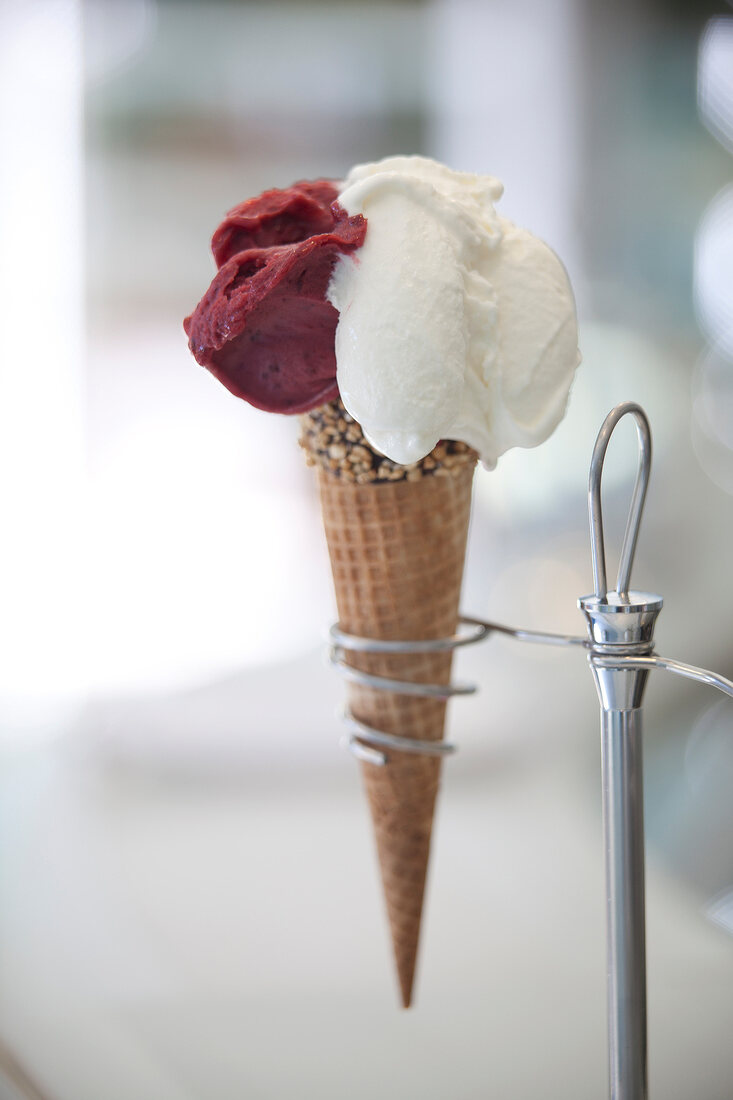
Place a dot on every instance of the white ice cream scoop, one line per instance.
(453, 322)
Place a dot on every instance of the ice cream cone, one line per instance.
(397, 549)
(402, 289)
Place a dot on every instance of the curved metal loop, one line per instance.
(361, 732)
(628, 548)
(477, 632)
(399, 687)
(652, 661)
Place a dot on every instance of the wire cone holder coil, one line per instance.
(620, 652)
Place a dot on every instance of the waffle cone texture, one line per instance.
(397, 548)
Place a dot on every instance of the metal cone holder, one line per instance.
(620, 649)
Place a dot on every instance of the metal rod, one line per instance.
(623, 822)
(690, 672)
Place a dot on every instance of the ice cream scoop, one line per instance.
(265, 328)
(453, 322)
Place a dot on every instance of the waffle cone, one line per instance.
(397, 551)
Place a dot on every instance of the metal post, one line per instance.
(621, 627)
(623, 823)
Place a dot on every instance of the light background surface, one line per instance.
(190, 900)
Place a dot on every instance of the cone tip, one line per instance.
(406, 982)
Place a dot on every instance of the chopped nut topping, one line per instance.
(331, 438)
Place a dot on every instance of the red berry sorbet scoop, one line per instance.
(264, 327)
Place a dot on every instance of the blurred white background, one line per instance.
(190, 899)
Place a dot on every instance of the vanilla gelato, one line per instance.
(453, 322)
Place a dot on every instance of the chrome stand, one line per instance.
(620, 649)
(621, 624)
